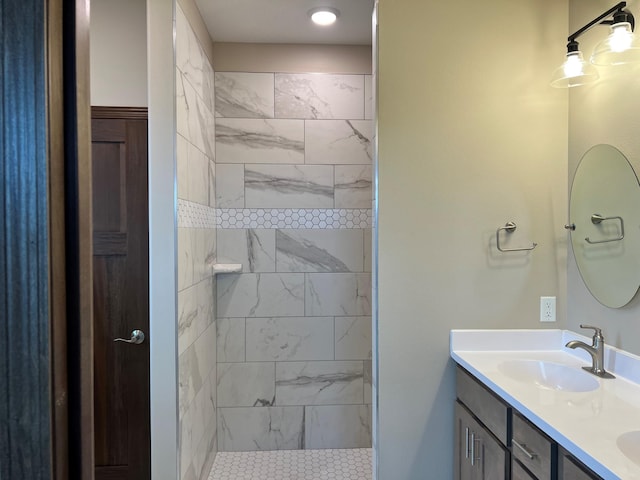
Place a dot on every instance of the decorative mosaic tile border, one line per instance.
(316, 218)
(195, 215)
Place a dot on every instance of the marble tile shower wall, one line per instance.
(293, 197)
(196, 245)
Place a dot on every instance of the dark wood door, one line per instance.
(120, 293)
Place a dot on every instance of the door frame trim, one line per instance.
(163, 285)
(125, 113)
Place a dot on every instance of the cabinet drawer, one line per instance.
(532, 448)
(488, 408)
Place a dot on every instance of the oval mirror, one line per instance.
(605, 208)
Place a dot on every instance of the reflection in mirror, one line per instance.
(605, 209)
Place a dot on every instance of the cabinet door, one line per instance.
(478, 455)
(462, 462)
(571, 469)
(518, 472)
(490, 458)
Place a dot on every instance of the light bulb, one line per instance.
(621, 37)
(573, 65)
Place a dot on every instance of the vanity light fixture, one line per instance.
(622, 46)
(324, 16)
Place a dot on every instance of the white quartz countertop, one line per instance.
(600, 427)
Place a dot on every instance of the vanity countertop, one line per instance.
(600, 427)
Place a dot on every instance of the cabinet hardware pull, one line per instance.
(466, 441)
(529, 453)
(474, 440)
(473, 448)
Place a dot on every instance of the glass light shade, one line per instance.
(620, 47)
(573, 72)
(324, 17)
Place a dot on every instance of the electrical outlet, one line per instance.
(547, 309)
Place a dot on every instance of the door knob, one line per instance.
(137, 337)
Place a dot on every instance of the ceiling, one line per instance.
(286, 21)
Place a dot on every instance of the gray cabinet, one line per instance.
(495, 442)
(479, 456)
(569, 468)
(532, 448)
(481, 432)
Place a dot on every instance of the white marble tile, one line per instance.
(205, 455)
(196, 186)
(338, 142)
(189, 378)
(288, 186)
(240, 140)
(190, 474)
(289, 338)
(318, 250)
(353, 186)
(203, 423)
(212, 183)
(368, 246)
(182, 167)
(261, 295)
(194, 365)
(353, 338)
(246, 384)
(185, 258)
(319, 383)
(319, 96)
(255, 249)
(368, 97)
(368, 390)
(268, 428)
(231, 339)
(185, 444)
(345, 294)
(229, 185)
(195, 312)
(194, 120)
(196, 248)
(338, 426)
(192, 61)
(244, 95)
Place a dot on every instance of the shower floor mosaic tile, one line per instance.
(343, 464)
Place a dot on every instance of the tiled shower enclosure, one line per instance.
(293, 206)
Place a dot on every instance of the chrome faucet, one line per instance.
(596, 350)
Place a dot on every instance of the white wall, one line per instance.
(603, 112)
(119, 53)
(470, 136)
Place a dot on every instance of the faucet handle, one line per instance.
(597, 331)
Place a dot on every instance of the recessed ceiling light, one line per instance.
(324, 15)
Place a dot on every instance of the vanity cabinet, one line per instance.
(494, 441)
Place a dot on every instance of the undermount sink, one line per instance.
(553, 376)
(629, 444)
